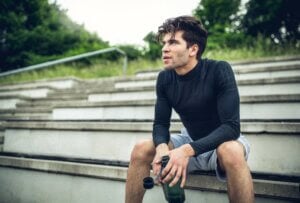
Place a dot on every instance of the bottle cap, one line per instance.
(148, 182)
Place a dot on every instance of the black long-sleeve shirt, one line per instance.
(207, 101)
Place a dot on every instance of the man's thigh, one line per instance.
(207, 161)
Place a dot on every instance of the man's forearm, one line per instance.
(188, 150)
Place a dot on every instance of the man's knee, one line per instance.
(231, 155)
(143, 151)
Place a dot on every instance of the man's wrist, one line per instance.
(188, 150)
(162, 147)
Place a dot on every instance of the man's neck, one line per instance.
(187, 68)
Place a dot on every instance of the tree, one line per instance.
(219, 17)
(132, 52)
(278, 19)
(34, 31)
(217, 12)
(153, 51)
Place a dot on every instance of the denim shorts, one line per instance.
(208, 160)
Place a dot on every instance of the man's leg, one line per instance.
(140, 164)
(239, 181)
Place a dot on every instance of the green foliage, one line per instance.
(133, 52)
(34, 31)
(276, 19)
(153, 50)
(217, 12)
(219, 17)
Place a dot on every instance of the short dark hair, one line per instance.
(193, 31)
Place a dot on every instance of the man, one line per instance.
(205, 96)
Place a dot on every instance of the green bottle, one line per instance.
(174, 194)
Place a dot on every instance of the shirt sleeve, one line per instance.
(162, 113)
(228, 108)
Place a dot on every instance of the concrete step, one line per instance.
(252, 70)
(149, 93)
(25, 116)
(78, 182)
(54, 138)
(244, 90)
(9, 103)
(40, 103)
(119, 100)
(246, 126)
(259, 109)
(66, 96)
(90, 85)
(251, 108)
(268, 74)
(26, 110)
(269, 89)
(58, 83)
(266, 67)
(243, 73)
(141, 82)
(11, 95)
(271, 59)
(273, 108)
(53, 99)
(39, 92)
(1, 136)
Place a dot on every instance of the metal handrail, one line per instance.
(68, 59)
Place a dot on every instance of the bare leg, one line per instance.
(232, 161)
(139, 167)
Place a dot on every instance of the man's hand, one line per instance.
(177, 165)
(161, 150)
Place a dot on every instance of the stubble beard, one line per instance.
(181, 60)
(175, 65)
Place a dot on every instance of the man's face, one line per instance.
(175, 53)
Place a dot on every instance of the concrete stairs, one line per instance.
(2, 129)
(82, 134)
(82, 182)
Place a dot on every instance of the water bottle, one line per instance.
(174, 194)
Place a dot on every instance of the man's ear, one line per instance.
(194, 50)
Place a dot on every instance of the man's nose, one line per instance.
(165, 48)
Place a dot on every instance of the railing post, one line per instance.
(125, 61)
(125, 65)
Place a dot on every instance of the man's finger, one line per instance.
(157, 161)
(183, 178)
(166, 169)
(170, 175)
(156, 169)
(177, 177)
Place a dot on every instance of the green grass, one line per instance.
(248, 53)
(97, 70)
(100, 68)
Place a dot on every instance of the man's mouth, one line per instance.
(166, 57)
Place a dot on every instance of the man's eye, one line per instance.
(173, 42)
